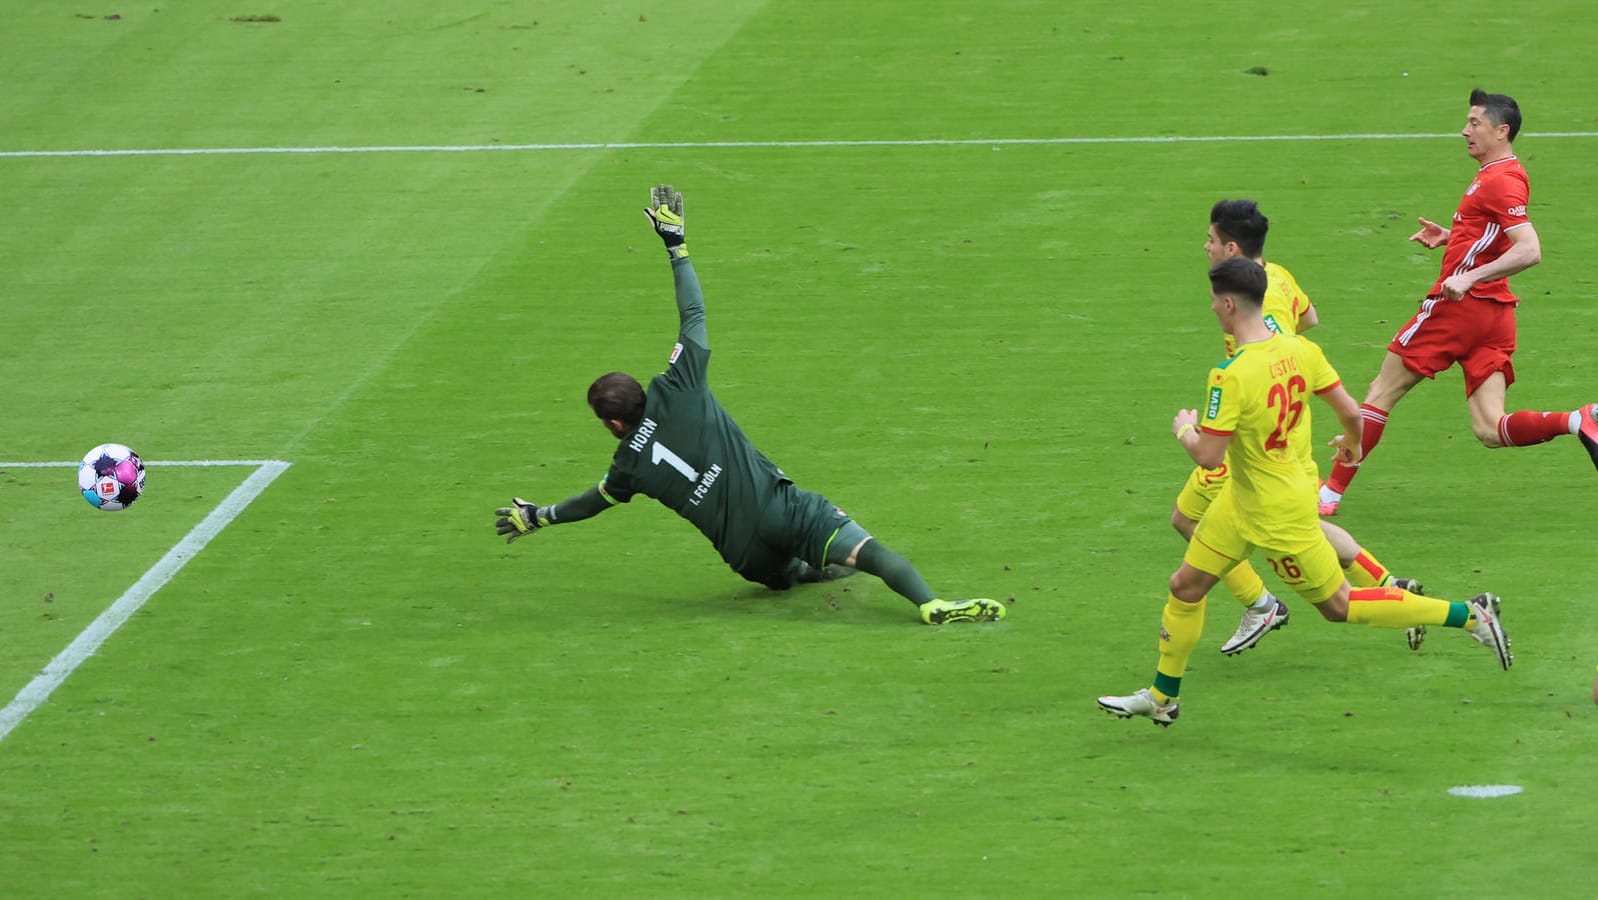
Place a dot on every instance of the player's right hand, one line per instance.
(519, 519)
(1185, 418)
(1431, 235)
(665, 214)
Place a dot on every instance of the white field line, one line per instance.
(39, 689)
(755, 145)
(159, 462)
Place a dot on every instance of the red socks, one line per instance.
(1518, 429)
(1375, 422)
(1525, 428)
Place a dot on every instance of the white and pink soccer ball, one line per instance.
(111, 477)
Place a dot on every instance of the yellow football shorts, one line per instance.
(1202, 487)
(1309, 566)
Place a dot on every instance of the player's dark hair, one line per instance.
(617, 395)
(1501, 109)
(1241, 222)
(1243, 279)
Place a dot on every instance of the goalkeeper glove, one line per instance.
(522, 518)
(665, 213)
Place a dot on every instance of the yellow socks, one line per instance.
(1395, 608)
(1367, 571)
(1180, 628)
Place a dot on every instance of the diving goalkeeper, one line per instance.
(679, 446)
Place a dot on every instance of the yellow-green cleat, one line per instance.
(939, 612)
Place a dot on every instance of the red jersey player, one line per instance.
(1468, 316)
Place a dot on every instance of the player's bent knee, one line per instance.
(843, 549)
(1190, 585)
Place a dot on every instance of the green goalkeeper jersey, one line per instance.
(687, 452)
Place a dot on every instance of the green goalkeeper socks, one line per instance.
(894, 570)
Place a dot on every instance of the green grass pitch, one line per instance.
(975, 346)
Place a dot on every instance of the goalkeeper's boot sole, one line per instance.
(943, 612)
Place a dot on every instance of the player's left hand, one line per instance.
(1455, 286)
(1345, 452)
(520, 519)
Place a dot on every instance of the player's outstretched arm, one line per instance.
(523, 518)
(1343, 404)
(665, 214)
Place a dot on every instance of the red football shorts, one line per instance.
(1477, 334)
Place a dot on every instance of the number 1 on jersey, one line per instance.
(659, 452)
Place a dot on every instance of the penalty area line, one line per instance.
(33, 695)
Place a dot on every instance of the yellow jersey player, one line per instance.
(1256, 415)
(1238, 230)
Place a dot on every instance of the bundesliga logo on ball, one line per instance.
(111, 477)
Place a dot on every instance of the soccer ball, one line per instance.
(111, 477)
